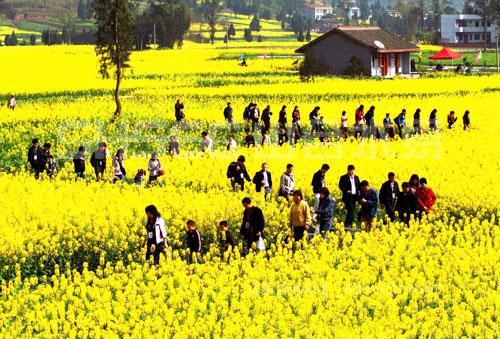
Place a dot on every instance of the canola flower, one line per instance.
(70, 257)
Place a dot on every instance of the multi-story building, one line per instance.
(316, 11)
(463, 29)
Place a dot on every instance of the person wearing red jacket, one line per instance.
(426, 198)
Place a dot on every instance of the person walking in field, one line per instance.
(255, 116)
(237, 172)
(98, 161)
(193, 241)
(35, 157)
(265, 138)
(388, 126)
(206, 142)
(11, 103)
(226, 237)
(401, 122)
(406, 204)
(343, 125)
(433, 120)
(313, 120)
(247, 114)
(154, 168)
(282, 137)
(179, 111)
(156, 235)
(45, 156)
(263, 180)
(300, 216)
(349, 186)
(287, 183)
(325, 211)
(426, 198)
(266, 117)
(359, 118)
(452, 119)
(173, 146)
(369, 205)
(79, 162)
(318, 182)
(249, 138)
(370, 122)
(466, 120)
(296, 125)
(416, 122)
(282, 120)
(119, 171)
(389, 193)
(252, 226)
(228, 114)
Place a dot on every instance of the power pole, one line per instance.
(227, 33)
(498, 65)
(154, 35)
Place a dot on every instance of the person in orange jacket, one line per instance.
(426, 198)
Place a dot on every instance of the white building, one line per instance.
(353, 12)
(316, 11)
(467, 29)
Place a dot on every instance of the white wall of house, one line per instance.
(316, 13)
(466, 28)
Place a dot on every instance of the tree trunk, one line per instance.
(117, 95)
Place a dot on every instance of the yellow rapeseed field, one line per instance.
(71, 264)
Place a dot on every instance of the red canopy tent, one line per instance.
(445, 54)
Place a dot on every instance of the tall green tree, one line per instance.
(114, 41)
(211, 11)
(255, 24)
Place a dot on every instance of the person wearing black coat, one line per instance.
(252, 226)
(388, 195)
(266, 117)
(35, 157)
(282, 120)
(349, 186)
(263, 179)
(237, 172)
(228, 114)
(406, 204)
(318, 182)
(282, 137)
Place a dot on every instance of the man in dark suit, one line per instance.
(252, 226)
(263, 179)
(349, 185)
(388, 195)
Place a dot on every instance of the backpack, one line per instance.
(231, 169)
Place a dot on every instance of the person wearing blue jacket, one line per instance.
(324, 211)
(369, 205)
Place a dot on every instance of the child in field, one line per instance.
(140, 177)
(79, 162)
(226, 237)
(51, 166)
(193, 240)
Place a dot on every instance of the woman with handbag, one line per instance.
(154, 168)
(156, 235)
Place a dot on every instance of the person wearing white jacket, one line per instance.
(156, 234)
